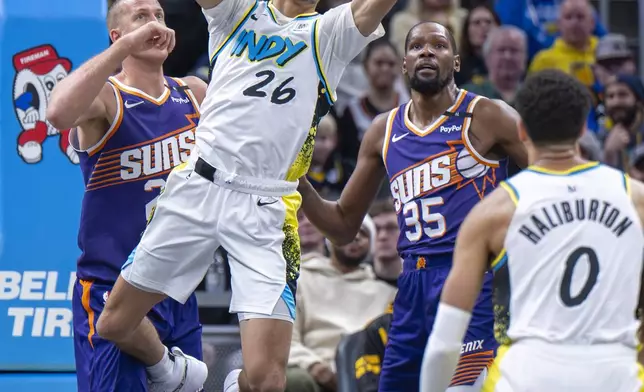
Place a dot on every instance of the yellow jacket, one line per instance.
(568, 59)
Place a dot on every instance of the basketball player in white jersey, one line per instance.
(275, 66)
(565, 236)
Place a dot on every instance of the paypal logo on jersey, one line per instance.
(180, 100)
(453, 128)
(267, 47)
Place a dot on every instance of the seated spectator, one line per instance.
(447, 12)
(538, 18)
(624, 100)
(311, 240)
(335, 297)
(475, 30)
(382, 66)
(329, 171)
(387, 264)
(574, 51)
(613, 57)
(505, 54)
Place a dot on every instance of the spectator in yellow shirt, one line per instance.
(574, 51)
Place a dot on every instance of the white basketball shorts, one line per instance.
(539, 366)
(253, 220)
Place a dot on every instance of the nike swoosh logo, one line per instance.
(395, 138)
(253, 17)
(264, 203)
(129, 105)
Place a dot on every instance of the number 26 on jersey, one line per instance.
(422, 220)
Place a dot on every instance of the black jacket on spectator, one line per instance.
(373, 340)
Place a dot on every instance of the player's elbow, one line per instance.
(343, 235)
(56, 116)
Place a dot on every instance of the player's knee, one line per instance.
(273, 380)
(109, 327)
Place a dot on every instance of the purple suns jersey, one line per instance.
(126, 170)
(435, 176)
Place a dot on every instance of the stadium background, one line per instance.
(40, 191)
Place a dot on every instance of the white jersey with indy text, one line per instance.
(272, 78)
(571, 269)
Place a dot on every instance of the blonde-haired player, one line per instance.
(275, 66)
(566, 243)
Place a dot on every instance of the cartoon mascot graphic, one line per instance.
(38, 70)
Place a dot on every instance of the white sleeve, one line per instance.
(340, 41)
(443, 348)
(223, 18)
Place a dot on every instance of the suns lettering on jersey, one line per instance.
(160, 156)
(411, 187)
(262, 47)
(143, 161)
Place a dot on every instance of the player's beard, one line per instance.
(431, 86)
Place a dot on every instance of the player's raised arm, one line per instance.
(500, 119)
(480, 238)
(340, 221)
(79, 97)
(368, 14)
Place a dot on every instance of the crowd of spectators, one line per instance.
(343, 289)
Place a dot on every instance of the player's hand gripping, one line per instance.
(150, 35)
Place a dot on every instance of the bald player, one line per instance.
(564, 239)
(131, 129)
(443, 152)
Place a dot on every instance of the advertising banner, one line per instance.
(40, 182)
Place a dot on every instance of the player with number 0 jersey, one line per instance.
(564, 239)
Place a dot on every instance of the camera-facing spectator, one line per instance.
(505, 52)
(446, 12)
(539, 19)
(382, 67)
(335, 297)
(623, 98)
(574, 51)
(329, 171)
(311, 240)
(387, 264)
(475, 30)
(612, 57)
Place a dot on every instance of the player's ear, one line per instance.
(114, 35)
(457, 63)
(404, 65)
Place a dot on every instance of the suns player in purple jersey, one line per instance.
(131, 130)
(443, 152)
